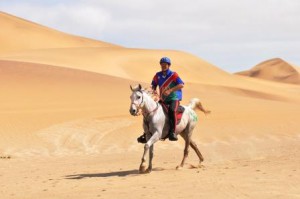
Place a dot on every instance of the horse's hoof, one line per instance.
(142, 169)
(149, 169)
(201, 166)
(178, 167)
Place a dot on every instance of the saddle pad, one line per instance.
(179, 111)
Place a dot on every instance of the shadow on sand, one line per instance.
(134, 172)
(104, 175)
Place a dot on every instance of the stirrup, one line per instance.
(142, 139)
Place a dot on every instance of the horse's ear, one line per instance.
(131, 88)
(140, 87)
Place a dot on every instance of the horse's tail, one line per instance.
(195, 103)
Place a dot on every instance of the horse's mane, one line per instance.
(152, 94)
(148, 91)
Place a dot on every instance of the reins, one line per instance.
(146, 115)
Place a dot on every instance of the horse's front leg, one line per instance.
(149, 169)
(143, 163)
(149, 145)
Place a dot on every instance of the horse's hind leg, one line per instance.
(194, 146)
(186, 149)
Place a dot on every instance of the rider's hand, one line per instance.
(167, 92)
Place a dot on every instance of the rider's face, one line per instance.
(164, 66)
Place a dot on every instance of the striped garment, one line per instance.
(170, 80)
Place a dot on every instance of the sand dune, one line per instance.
(39, 44)
(40, 97)
(19, 34)
(137, 64)
(42, 100)
(296, 67)
(274, 70)
(126, 63)
(36, 96)
(65, 124)
(141, 65)
(45, 85)
(53, 85)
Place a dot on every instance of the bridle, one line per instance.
(141, 105)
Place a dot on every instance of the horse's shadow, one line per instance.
(126, 173)
(104, 175)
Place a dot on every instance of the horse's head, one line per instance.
(137, 100)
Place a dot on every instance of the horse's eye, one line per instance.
(139, 97)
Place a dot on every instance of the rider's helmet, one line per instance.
(165, 60)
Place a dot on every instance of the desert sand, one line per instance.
(66, 131)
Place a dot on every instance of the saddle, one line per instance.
(179, 111)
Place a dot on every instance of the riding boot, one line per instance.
(142, 139)
(172, 134)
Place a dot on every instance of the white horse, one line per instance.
(156, 125)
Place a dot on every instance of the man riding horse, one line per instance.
(170, 85)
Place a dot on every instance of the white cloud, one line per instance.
(231, 34)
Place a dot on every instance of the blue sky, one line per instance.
(233, 35)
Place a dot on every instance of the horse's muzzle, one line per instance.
(133, 112)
